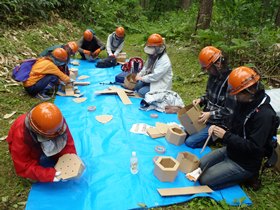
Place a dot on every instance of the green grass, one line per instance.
(188, 82)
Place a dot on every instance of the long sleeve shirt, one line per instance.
(41, 68)
(248, 151)
(160, 75)
(217, 100)
(113, 45)
(26, 153)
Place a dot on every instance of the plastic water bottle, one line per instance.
(134, 163)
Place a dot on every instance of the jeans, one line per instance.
(142, 88)
(198, 139)
(219, 171)
(43, 85)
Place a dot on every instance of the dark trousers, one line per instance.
(43, 85)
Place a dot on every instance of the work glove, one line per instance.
(96, 52)
(87, 52)
(56, 176)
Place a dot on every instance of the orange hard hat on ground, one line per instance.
(60, 54)
(74, 47)
(120, 32)
(209, 55)
(154, 40)
(47, 120)
(242, 78)
(88, 35)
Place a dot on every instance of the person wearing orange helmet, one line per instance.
(90, 45)
(248, 138)
(40, 135)
(71, 48)
(45, 74)
(157, 72)
(216, 102)
(115, 42)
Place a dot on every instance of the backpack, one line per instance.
(21, 72)
(107, 62)
(134, 65)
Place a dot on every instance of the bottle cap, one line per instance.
(133, 153)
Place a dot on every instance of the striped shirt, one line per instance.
(217, 100)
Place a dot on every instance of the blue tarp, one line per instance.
(106, 149)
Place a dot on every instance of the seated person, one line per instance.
(157, 71)
(217, 104)
(41, 133)
(45, 74)
(115, 42)
(248, 138)
(90, 46)
(71, 49)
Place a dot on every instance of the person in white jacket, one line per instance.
(115, 42)
(157, 72)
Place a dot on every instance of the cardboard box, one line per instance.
(277, 165)
(166, 168)
(130, 82)
(175, 135)
(121, 58)
(188, 162)
(188, 117)
(70, 166)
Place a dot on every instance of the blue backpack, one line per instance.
(21, 72)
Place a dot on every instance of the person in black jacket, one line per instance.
(248, 136)
(90, 45)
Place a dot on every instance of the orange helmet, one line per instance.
(154, 40)
(88, 35)
(46, 120)
(242, 78)
(120, 32)
(60, 54)
(73, 46)
(209, 55)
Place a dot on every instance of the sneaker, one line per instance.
(42, 97)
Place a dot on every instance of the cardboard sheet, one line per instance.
(105, 150)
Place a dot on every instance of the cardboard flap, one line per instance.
(121, 93)
(104, 118)
(162, 127)
(70, 166)
(184, 190)
(154, 133)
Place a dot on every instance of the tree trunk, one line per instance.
(277, 19)
(204, 15)
(185, 4)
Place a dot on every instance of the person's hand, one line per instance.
(137, 78)
(112, 55)
(203, 118)
(96, 52)
(56, 176)
(210, 130)
(218, 131)
(87, 52)
(196, 102)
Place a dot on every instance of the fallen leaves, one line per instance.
(7, 116)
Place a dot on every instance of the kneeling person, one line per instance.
(39, 134)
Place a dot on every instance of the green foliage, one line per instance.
(18, 11)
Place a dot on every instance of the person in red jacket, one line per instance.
(38, 134)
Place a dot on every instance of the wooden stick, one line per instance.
(205, 144)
